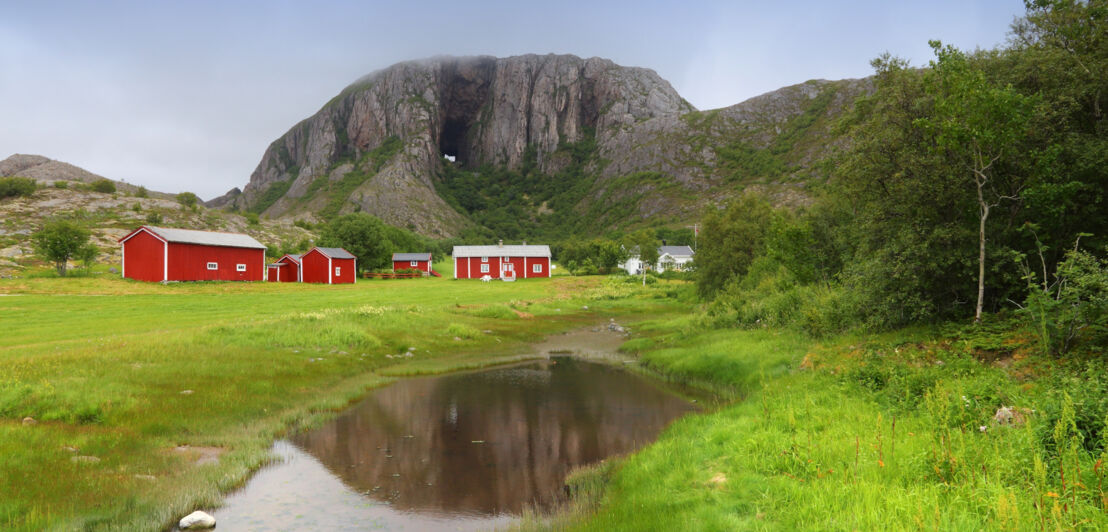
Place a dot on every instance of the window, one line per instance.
(240, 267)
(338, 270)
(415, 263)
(213, 265)
(484, 259)
(536, 268)
(508, 266)
(484, 268)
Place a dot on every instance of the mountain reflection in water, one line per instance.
(489, 442)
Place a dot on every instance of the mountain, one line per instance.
(108, 215)
(450, 143)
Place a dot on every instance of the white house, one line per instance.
(669, 258)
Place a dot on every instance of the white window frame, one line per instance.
(213, 266)
(536, 268)
(484, 268)
(240, 267)
(484, 259)
(338, 270)
(509, 267)
(414, 263)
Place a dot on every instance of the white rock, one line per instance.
(196, 519)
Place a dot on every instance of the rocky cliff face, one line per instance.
(379, 145)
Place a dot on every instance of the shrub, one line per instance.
(252, 218)
(61, 184)
(141, 192)
(11, 187)
(1074, 303)
(188, 200)
(154, 218)
(104, 186)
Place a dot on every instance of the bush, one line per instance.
(141, 192)
(154, 218)
(1074, 304)
(11, 187)
(104, 186)
(61, 240)
(252, 218)
(61, 184)
(188, 200)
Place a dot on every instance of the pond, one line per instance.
(460, 451)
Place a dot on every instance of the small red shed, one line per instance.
(285, 270)
(327, 265)
(411, 261)
(168, 254)
(500, 261)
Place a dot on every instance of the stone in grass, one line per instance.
(29, 421)
(196, 520)
(84, 459)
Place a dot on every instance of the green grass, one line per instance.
(881, 433)
(126, 371)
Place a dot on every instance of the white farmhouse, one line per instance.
(674, 258)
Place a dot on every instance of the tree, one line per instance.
(363, 235)
(731, 240)
(60, 240)
(981, 126)
(188, 200)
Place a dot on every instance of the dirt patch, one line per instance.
(597, 342)
(199, 455)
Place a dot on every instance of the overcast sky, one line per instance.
(187, 95)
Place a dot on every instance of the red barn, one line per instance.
(164, 254)
(411, 261)
(285, 270)
(500, 261)
(327, 265)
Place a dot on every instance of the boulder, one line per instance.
(196, 520)
(29, 421)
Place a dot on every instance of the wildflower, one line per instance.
(982, 428)
(1052, 494)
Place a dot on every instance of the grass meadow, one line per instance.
(131, 385)
(892, 431)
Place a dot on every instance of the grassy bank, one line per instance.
(128, 374)
(887, 432)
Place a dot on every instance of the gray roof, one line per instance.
(335, 253)
(502, 251)
(411, 256)
(207, 238)
(294, 256)
(676, 251)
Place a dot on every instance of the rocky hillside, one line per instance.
(109, 215)
(384, 145)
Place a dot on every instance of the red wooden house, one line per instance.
(165, 254)
(411, 261)
(327, 265)
(500, 261)
(285, 270)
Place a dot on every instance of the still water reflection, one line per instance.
(468, 450)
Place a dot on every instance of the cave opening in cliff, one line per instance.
(451, 140)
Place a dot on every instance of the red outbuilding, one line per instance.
(165, 254)
(411, 261)
(501, 262)
(327, 265)
(285, 270)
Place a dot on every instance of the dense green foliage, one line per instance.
(61, 240)
(526, 203)
(188, 200)
(372, 240)
(11, 187)
(928, 201)
(105, 186)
